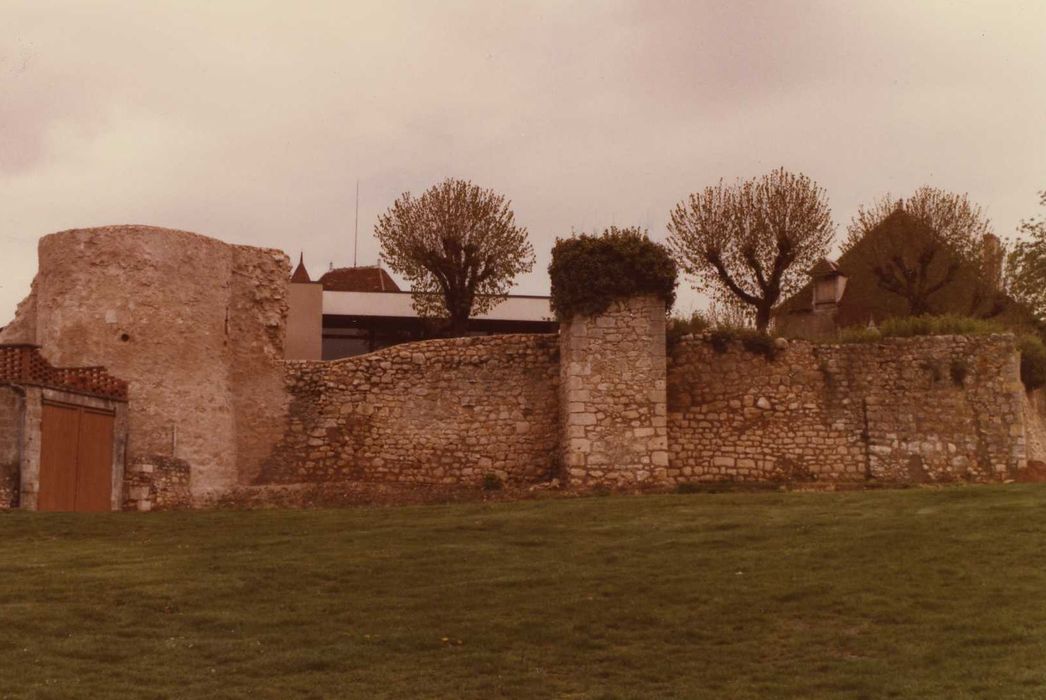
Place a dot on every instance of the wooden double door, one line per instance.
(76, 458)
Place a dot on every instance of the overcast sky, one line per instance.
(251, 121)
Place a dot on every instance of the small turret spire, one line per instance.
(301, 275)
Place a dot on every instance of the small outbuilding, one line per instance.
(63, 433)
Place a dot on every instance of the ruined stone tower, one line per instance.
(195, 325)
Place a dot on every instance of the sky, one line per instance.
(252, 121)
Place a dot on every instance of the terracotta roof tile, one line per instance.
(358, 279)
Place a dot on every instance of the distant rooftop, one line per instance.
(358, 279)
(300, 273)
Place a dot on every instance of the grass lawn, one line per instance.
(909, 593)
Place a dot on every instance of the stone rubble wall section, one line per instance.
(612, 395)
(903, 410)
(736, 415)
(196, 327)
(1035, 425)
(10, 453)
(257, 322)
(436, 412)
(157, 483)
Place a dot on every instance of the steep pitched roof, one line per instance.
(863, 299)
(824, 268)
(300, 273)
(358, 279)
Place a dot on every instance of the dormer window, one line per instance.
(828, 285)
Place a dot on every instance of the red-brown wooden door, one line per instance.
(76, 459)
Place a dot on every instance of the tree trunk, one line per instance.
(458, 326)
(917, 306)
(762, 318)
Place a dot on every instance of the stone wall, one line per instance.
(161, 483)
(193, 324)
(904, 410)
(1035, 426)
(612, 394)
(434, 412)
(10, 438)
(197, 328)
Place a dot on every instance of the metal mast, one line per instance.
(356, 231)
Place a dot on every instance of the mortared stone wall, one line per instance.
(612, 395)
(10, 438)
(196, 327)
(193, 324)
(903, 410)
(436, 412)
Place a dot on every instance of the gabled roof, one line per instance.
(825, 268)
(358, 279)
(300, 273)
(863, 299)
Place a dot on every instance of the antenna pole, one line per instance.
(356, 232)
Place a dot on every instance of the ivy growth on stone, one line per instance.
(590, 272)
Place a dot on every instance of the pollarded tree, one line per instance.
(752, 242)
(459, 246)
(917, 247)
(1026, 264)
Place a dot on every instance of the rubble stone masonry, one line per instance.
(159, 483)
(10, 454)
(902, 410)
(193, 324)
(196, 327)
(453, 411)
(437, 412)
(612, 394)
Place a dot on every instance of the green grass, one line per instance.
(909, 593)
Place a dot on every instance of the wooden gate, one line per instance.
(76, 458)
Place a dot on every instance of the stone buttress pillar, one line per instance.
(613, 397)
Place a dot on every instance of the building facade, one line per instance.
(355, 310)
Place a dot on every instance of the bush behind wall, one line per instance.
(590, 272)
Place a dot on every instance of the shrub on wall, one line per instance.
(1033, 361)
(1031, 345)
(911, 326)
(590, 272)
(948, 324)
(679, 326)
(721, 338)
(492, 482)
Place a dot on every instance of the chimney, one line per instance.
(991, 261)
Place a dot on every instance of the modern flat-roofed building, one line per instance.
(355, 310)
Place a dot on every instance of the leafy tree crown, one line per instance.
(459, 247)
(749, 243)
(1026, 264)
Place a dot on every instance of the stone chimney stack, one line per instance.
(991, 261)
